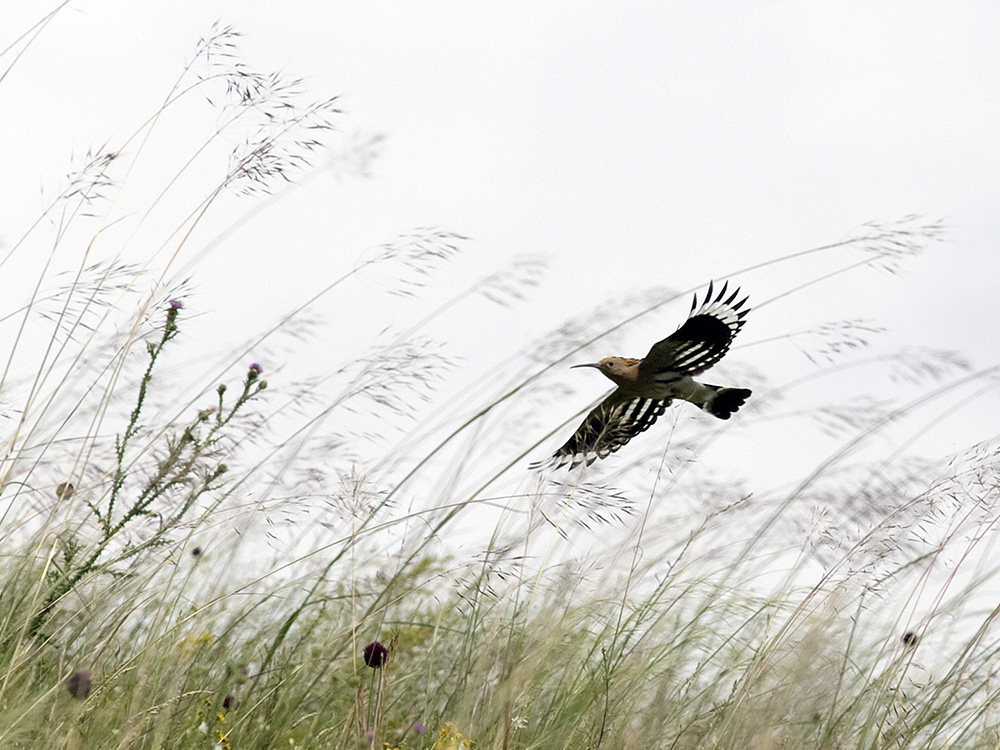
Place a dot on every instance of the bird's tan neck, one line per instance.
(622, 370)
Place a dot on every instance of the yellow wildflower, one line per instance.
(449, 738)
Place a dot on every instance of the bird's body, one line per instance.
(646, 387)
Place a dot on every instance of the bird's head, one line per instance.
(616, 368)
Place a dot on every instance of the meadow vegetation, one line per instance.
(236, 558)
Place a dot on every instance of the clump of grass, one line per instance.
(189, 566)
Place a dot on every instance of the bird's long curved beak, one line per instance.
(589, 364)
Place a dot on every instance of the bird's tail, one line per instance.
(726, 401)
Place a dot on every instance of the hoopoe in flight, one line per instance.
(646, 387)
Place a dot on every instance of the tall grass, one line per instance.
(228, 557)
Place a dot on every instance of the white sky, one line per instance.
(632, 144)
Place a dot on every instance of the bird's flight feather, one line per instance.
(608, 426)
(702, 340)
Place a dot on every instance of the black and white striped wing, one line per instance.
(609, 426)
(704, 338)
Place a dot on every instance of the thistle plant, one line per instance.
(183, 480)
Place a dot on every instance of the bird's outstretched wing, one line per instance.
(610, 424)
(704, 338)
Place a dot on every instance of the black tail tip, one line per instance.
(727, 401)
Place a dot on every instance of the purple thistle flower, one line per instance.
(375, 654)
(176, 304)
(79, 684)
(419, 728)
(256, 368)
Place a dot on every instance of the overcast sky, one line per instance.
(630, 144)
